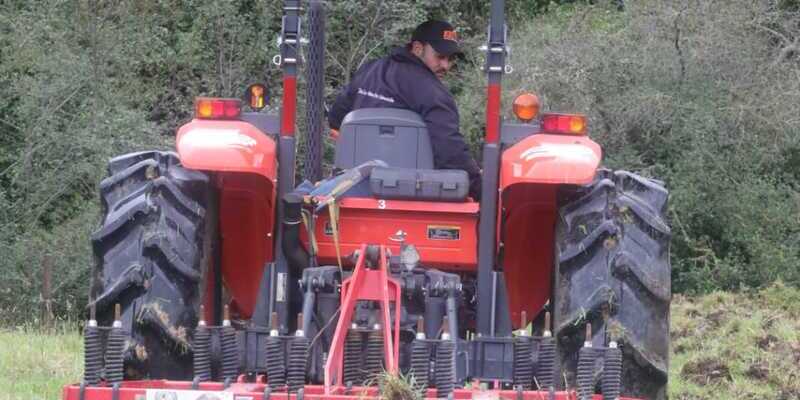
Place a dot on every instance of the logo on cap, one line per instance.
(450, 35)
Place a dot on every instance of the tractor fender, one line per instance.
(230, 146)
(531, 172)
(550, 159)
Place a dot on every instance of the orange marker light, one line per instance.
(565, 124)
(526, 106)
(204, 109)
(256, 96)
(214, 108)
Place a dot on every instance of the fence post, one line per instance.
(47, 299)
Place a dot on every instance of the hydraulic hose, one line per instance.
(296, 255)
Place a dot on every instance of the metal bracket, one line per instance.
(289, 37)
(497, 48)
(115, 391)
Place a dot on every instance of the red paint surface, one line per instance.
(527, 236)
(134, 390)
(246, 223)
(553, 159)
(368, 220)
(530, 174)
(289, 108)
(493, 113)
(233, 146)
(244, 159)
(366, 284)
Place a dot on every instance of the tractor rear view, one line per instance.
(217, 277)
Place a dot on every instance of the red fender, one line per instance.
(244, 159)
(530, 175)
(233, 146)
(555, 159)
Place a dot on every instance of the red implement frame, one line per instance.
(366, 284)
(138, 390)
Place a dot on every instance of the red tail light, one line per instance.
(214, 108)
(565, 124)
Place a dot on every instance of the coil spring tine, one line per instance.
(93, 351)
(230, 353)
(352, 357)
(523, 362)
(546, 364)
(612, 373)
(587, 357)
(298, 363)
(202, 355)
(421, 363)
(115, 345)
(373, 358)
(444, 371)
(201, 362)
(276, 367)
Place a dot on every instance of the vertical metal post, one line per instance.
(315, 90)
(487, 247)
(290, 43)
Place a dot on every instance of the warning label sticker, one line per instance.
(168, 394)
(440, 232)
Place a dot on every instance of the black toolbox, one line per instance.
(419, 184)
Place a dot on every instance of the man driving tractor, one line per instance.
(410, 78)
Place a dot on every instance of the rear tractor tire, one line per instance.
(612, 269)
(152, 253)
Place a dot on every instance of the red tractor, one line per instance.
(217, 277)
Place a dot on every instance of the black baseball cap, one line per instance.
(440, 35)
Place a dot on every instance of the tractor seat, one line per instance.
(395, 136)
(400, 139)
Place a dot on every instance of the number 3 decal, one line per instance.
(381, 204)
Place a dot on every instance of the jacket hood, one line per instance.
(401, 54)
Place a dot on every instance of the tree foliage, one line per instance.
(701, 93)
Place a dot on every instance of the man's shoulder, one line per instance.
(420, 82)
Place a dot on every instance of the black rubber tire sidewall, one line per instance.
(154, 220)
(612, 269)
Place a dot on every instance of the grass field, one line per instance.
(34, 365)
(725, 346)
(736, 347)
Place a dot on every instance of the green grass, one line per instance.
(35, 365)
(725, 346)
(736, 346)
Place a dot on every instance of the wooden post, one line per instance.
(47, 299)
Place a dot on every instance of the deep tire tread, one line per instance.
(612, 270)
(149, 253)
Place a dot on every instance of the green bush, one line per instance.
(83, 81)
(701, 94)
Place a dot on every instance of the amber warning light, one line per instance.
(526, 107)
(565, 124)
(256, 96)
(215, 108)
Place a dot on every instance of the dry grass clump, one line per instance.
(399, 387)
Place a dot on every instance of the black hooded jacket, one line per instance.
(401, 80)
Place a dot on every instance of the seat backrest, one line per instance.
(395, 136)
